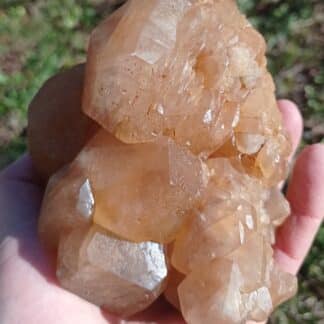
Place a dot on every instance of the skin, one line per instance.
(29, 292)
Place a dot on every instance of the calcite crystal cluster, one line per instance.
(166, 180)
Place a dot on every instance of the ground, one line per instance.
(39, 38)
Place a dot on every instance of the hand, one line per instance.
(29, 292)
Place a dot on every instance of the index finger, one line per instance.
(306, 196)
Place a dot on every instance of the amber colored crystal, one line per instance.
(183, 66)
(177, 192)
(227, 217)
(122, 276)
(73, 190)
(215, 294)
(150, 187)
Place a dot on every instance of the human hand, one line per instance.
(29, 292)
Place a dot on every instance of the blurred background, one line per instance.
(40, 37)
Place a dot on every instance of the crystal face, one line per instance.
(164, 175)
(127, 276)
(150, 187)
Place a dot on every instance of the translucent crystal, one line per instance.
(68, 203)
(122, 276)
(138, 181)
(212, 294)
(170, 185)
(222, 292)
(225, 220)
(173, 68)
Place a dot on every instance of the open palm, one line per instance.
(29, 292)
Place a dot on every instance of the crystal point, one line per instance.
(90, 259)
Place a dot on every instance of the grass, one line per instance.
(38, 38)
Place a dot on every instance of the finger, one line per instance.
(305, 194)
(293, 125)
(20, 198)
(292, 122)
(21, 170)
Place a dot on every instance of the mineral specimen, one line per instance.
(170, 185)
